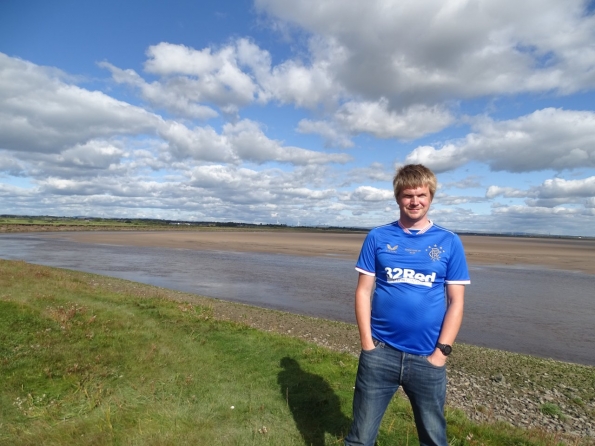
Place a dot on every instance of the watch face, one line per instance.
(447, 349)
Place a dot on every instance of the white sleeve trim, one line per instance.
(363, 271)
(457, 282)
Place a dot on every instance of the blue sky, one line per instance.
(300, 112)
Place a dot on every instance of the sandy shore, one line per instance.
(564, 254)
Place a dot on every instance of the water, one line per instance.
(528, 310)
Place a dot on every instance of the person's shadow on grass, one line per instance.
(313, 403)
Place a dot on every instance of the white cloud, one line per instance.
(329, 132)
(96, 157)
(202, 143)
(524, 212)
(248, 187)
(545, 139)
(11, 166)
(219, 78)
(305, 86)
(190, 79)
(561, 188)
(443, 199)
(472, 181)
(241, 141)
(230, 78)
(39, 112)
(376, 118)
(517, 219)
(368, 193)
(352, 72)
(92, 154)
(507, 192)
(375, 172)
(179, 96)
(556, 192)
(227, 176)
(430, 50)
(110, 190)
(559, 192)
(58, 130)
(449, 157)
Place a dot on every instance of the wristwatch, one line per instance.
(444, 348)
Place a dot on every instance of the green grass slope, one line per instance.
(84, 364)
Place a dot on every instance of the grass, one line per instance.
(84, 363)
(43, 222)
(551, 409)
(36, 223)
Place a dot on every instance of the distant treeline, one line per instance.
(83, 220)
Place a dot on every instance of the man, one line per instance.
(407, 329)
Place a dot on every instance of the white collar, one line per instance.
(421, 231)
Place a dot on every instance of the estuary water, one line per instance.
(542, 312)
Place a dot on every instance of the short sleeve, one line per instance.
(457, 271)
(366, 263)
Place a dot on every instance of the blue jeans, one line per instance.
(380, 373)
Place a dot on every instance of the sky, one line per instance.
(299, 113)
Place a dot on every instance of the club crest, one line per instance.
(435, 252)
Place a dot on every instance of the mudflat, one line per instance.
(563, 254)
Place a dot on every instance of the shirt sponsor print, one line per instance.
(406, 275)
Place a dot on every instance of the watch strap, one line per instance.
(444, 348)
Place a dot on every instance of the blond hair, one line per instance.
(412, 176)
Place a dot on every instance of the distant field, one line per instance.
(79, 222)
(42, 224)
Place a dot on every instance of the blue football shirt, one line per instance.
(411, 271)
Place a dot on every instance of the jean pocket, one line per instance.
(377, 345)
(427, 359)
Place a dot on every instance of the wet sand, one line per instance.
(562, 254)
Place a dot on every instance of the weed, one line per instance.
(551, 409)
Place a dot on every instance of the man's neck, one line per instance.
(414, 224)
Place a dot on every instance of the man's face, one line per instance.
(414, 204)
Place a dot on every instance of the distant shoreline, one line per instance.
(554, 253)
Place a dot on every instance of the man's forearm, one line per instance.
(362, 315)
(452, 321)
(363, 309)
